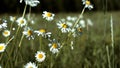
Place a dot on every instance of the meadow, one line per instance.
(52, 42)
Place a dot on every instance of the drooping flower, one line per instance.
(30, 65)
(2, 47)
(6, 33)
(31, 3)
(48, 15)
(43, 33)
(21, 21)
(40, 56)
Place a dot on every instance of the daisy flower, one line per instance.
(40, 56)
(21, 21)
(30, 65)
(54, 46)
(2, 47)
(48, 16)
(3, 24)
(43, 33)
(31, 3)
(6, 33)
(82, 23)
(28, 32)
(12, 18)
(87, 4)
(63, 26)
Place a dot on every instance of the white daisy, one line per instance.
(21, 21)
(6, 33)
(28, 32)
(87, 4)
(48, 16)
(3, 24)
(43, 33)
(89, 22)
(40, 56)
(63, 26)
(12, 18)
(82, 23)
(30, 65)
(2, 47)
(32, 3)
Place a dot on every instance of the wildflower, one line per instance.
(28, 32)
(40, 56)
(69, 18)
(48, 16)
(87, 4)
(3, 24)
(81, 23)
(71, 45)
(21, 21)
(12, 18)
(63, 26)
(30, 65)
(0, 67)
(6, 33)
(43, 33)
(2, 47)
(54, 46)
(31, 3)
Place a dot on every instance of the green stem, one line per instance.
(108, 56)
(21, 40)
(24, 11)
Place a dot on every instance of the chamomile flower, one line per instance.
(82, 23)
(21, 21)
(64, 26)
(2, 47)
(12, 18)
(30, 65)
(6, 33)
(54, 46)
(28, 32)
(3, 24)
(43, 33)
(32, 3)
(48, 15)
(40, 56)
(87, 4)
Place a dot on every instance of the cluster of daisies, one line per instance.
(65, 25)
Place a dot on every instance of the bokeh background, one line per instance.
(14, 6)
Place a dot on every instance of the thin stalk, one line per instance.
(112, 39)
(21, 40)
(108, 57)
(40, 39)
(24, 11)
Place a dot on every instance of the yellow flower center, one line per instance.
(1, 47)
(21, 21)
(6, 32)
(79, 29)
(42, 30)
(48, 14)
(30, 67)
(54, 45)
(64, 25)
(29, 32)
(40, 56)
(87, 2)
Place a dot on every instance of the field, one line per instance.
(92, 48)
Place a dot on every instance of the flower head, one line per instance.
(2, 47)
(28, 32)
(87, 4)
(6, 33)
(32, 3)
(43, 33)
(21, 21)
(30, 65)
(48, 16)
(54, 46)
(12, 18)
(3, 24)
(40, 56)
(64, 26)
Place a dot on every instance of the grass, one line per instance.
(91, 49)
